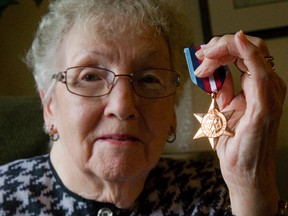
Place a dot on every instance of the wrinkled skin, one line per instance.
(247, 159)
(111, 142)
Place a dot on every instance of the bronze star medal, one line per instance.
(214, 123)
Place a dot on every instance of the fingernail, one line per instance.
(241, 38)
(240, 34)
(199, 54)
(198, 71)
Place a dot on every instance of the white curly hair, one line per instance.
(110, 17)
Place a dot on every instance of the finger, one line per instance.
(253, 86)
(200, 53)
(226, 94)
(210, 61)
(252, 57)
(225, 45)
(265, 91)
(223, 51)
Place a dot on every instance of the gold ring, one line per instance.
(270, 61)
(248, 74)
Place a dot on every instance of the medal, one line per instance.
(214, 124)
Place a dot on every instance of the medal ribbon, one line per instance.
(209, 84)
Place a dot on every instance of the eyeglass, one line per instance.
(96, 82)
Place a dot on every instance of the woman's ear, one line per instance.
(48, 109)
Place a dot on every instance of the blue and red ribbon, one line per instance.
(209, 84)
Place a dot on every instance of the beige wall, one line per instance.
(17, 26)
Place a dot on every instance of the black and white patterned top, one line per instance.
(174, 187)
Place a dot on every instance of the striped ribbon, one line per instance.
(209, 84)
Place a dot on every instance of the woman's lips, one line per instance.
(119, 138)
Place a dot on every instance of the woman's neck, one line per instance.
(121, 193)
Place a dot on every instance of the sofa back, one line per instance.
(21, 128)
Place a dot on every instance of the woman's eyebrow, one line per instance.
(145, 56)
(90, 55)
(152, 55)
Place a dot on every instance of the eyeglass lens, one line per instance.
(96, 82)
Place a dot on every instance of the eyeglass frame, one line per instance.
(62, 77)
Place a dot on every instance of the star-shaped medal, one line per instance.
(214, 123)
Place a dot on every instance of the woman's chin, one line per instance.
(118, 165)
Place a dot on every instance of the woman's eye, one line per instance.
(150, 79)
(91, 77)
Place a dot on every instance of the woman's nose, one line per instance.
(122, 100)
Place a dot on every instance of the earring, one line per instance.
(54, 136)
(172, 136)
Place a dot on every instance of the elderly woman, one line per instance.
(107, 73)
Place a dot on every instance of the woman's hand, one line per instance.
(247, 159)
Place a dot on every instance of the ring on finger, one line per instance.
(248, 74)
(270, 61)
